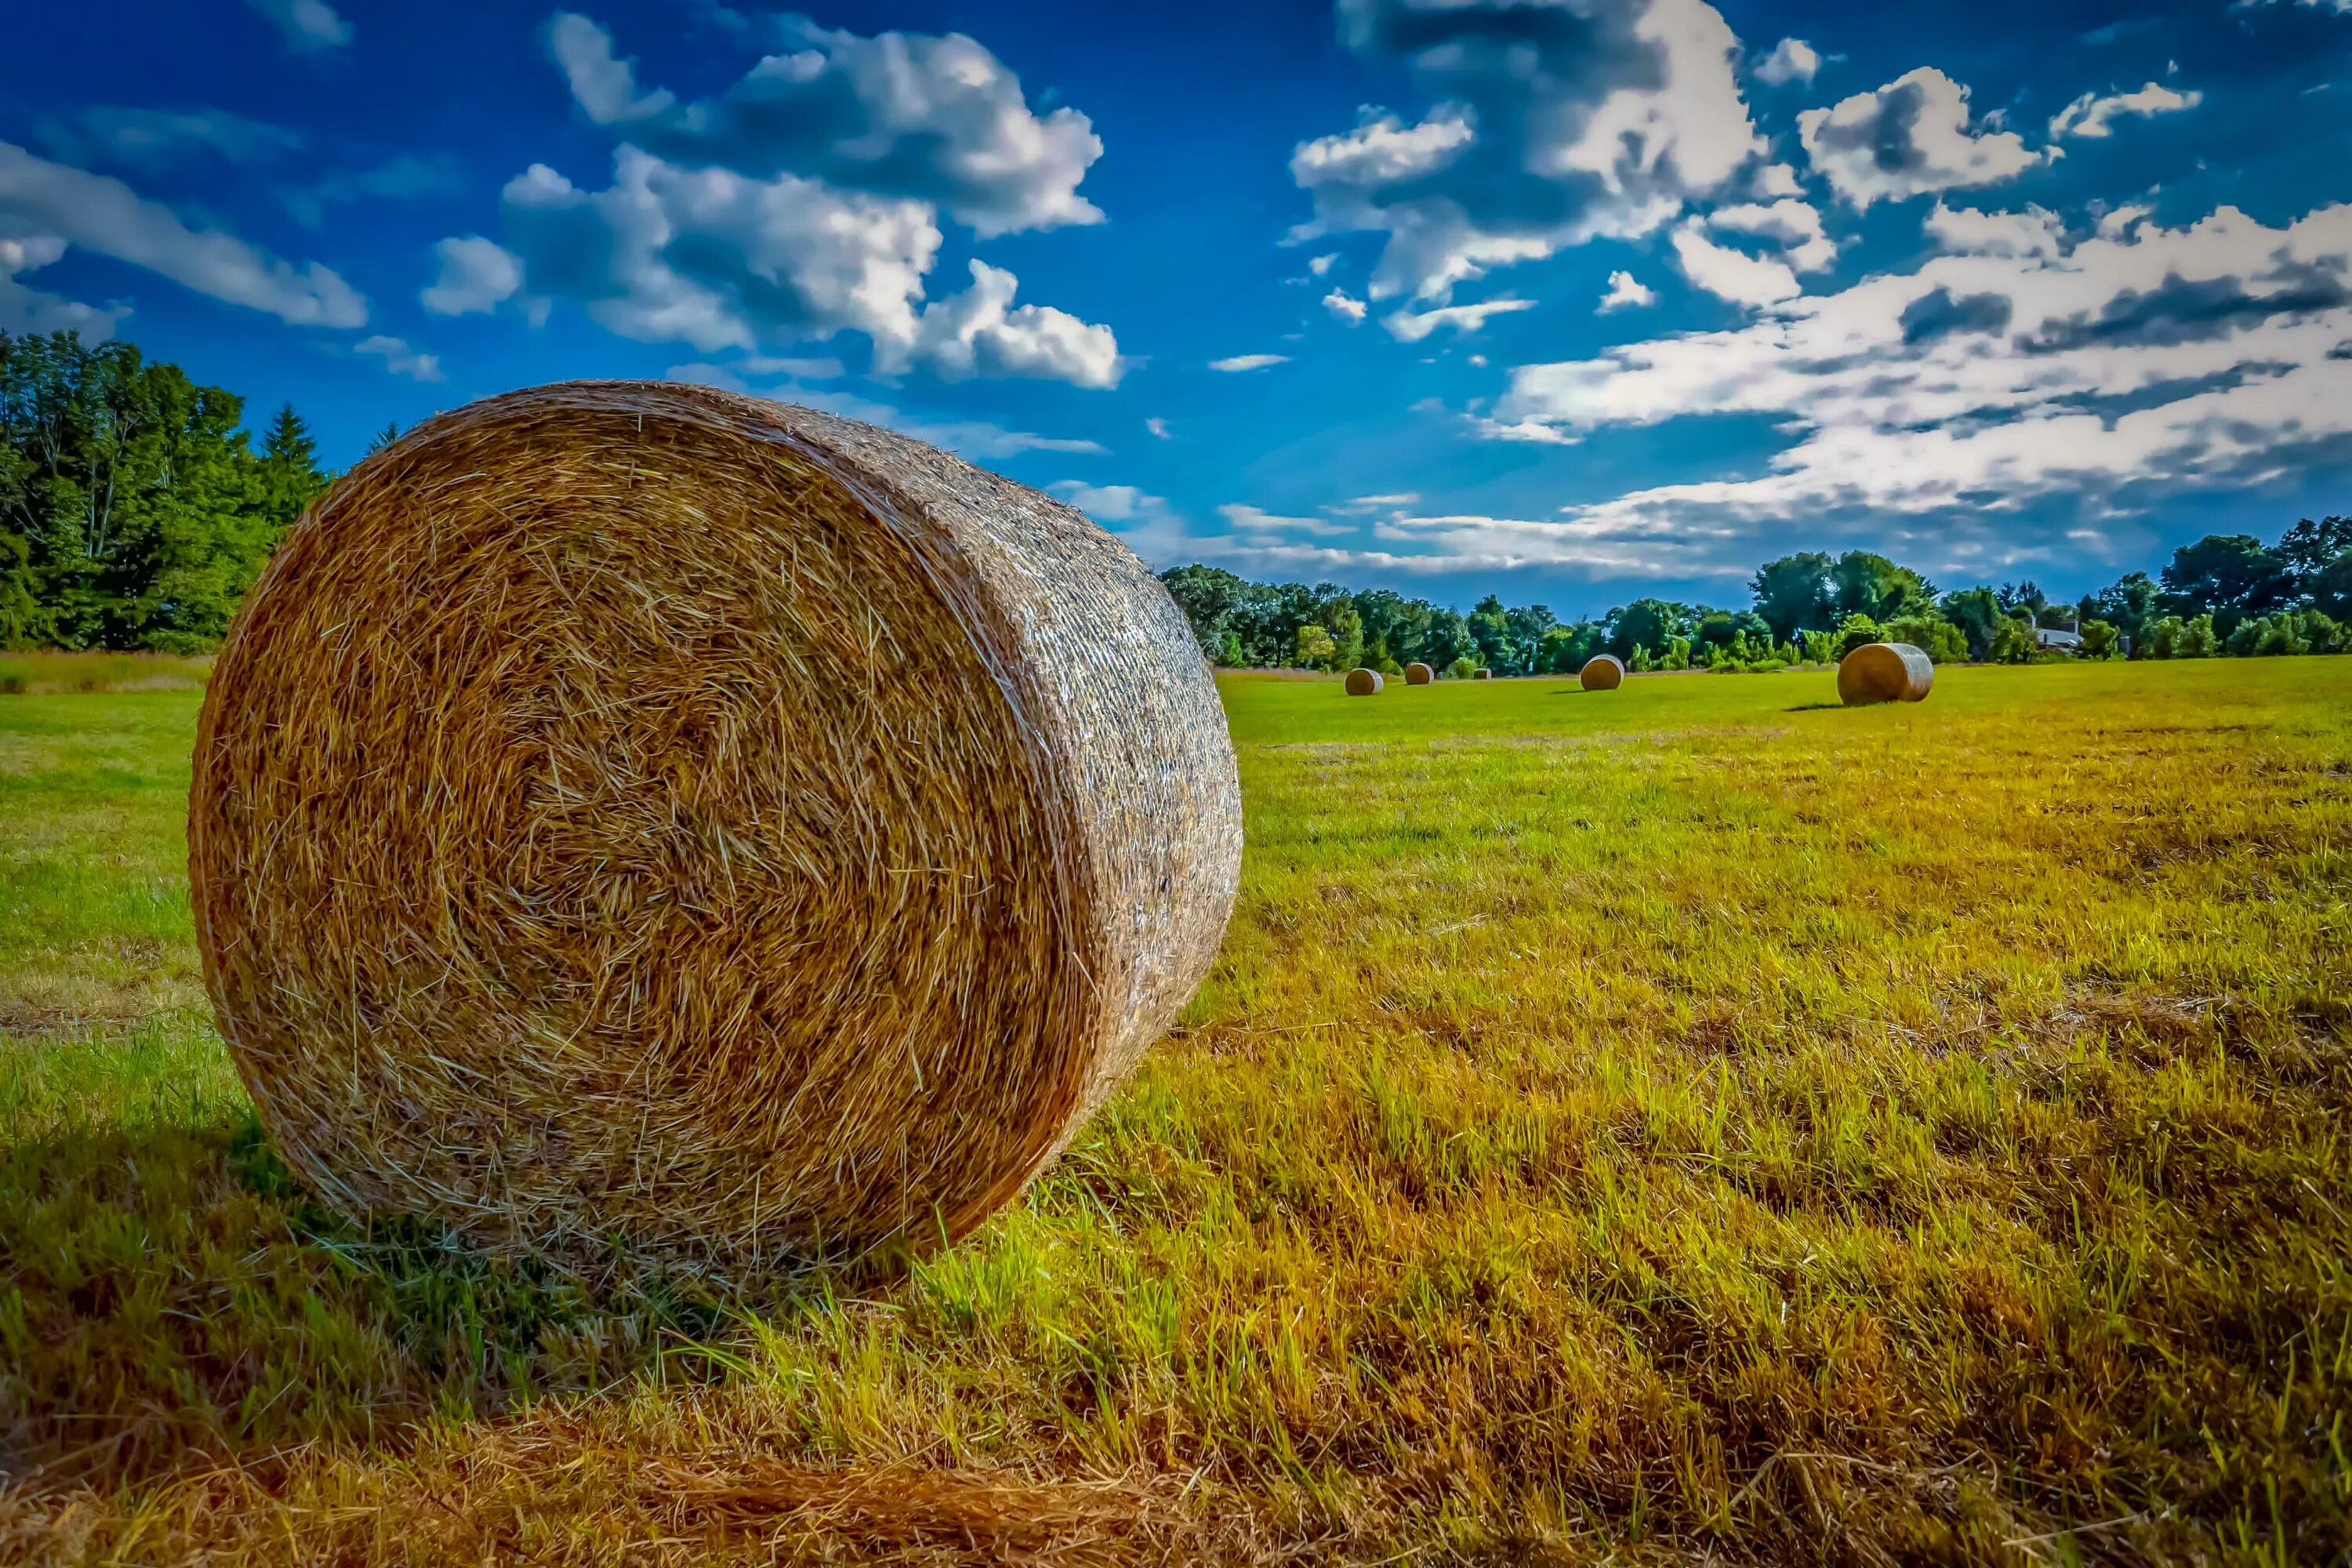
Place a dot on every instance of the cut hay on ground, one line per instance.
(1603, 673)
(1885, 672)
(1419, 674)
(632, 815)
(1364, 682)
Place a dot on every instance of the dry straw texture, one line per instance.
(1364, 682)
(1885, 672)
(1601, 672)
(634, 818)
(1419, 674)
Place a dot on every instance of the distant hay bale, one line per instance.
(1419, 674)
(1885, 672)
(1364, 683)
(1484, 675)
(632, 816)
(1603, 673)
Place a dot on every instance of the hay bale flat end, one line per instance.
(634, 819)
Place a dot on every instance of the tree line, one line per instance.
(135, 508)
(2224, 595)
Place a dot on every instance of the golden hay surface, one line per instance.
(1885, 672)
(1419, 674)
(629, 815)
(1601, 672)
(1365, 682)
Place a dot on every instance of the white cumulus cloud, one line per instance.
(1793, 224)
(2015, 367)
(802, 202)
(1552, 124)
(1626, 292)
(1909, 137)
(1729, 274)
(1791, 59)
(1248, 362)
(1345, 306)
(937, 119)
(981, 333)
(477, 276)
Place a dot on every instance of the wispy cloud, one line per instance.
(973, 438)
(308, 25)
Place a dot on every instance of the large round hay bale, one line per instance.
(632, 816)
(1603, 673)
(1484, 675)
(1364, 682)
(1885, 672)
(1419, 674)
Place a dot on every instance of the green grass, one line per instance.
(1693, 1119)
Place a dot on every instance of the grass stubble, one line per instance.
(1693, 1122)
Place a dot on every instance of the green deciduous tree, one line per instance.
(1931, 634)
(1646, 624)
(133, 513)
(1867, 585)
(2228, 576)
(1207, 595)
(2331, 588)
(1977, 612)
(1316, 647)
(1794, 594)
(2309, 548)
(1857, 631)
(2129, 604)
(2013, 641)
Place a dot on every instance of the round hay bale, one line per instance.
(633, 818)
(1601, 672)
(1364, 682)
(1419, 674)
(1484, 675)
(1885, 672)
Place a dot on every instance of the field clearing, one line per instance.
(47, 673)
(1694, 1120)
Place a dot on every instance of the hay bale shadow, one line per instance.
(173, 1298)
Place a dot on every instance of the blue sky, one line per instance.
(1567, 300)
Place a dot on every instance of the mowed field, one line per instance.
(1691, 1121)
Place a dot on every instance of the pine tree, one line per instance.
(385, 437)
(290, 476)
